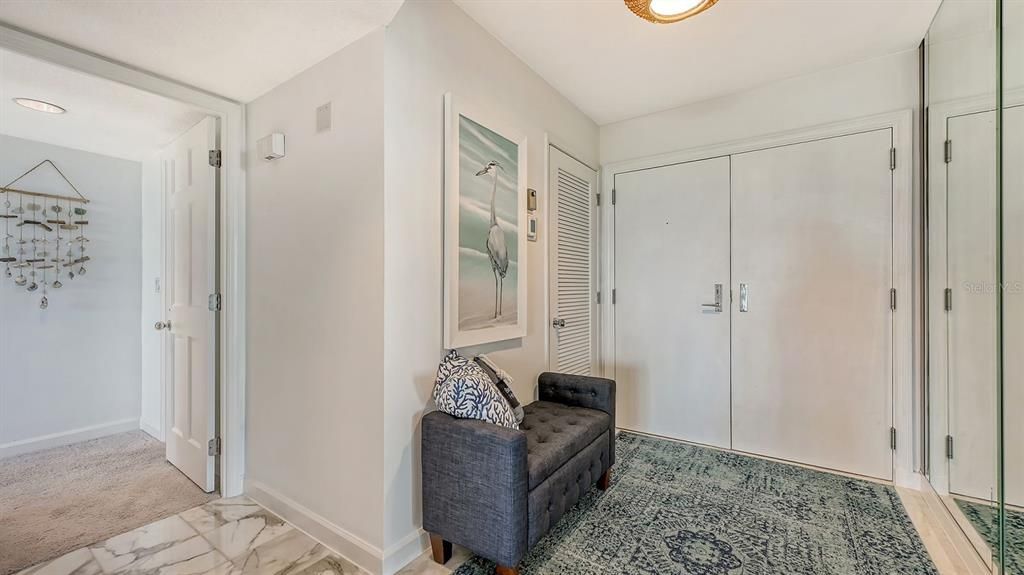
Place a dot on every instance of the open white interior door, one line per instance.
(190, 244)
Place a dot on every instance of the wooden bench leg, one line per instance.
(502, 570)
(605, 480)
(441, 549)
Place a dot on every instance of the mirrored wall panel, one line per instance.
(961, 58)
(975, 186)
(1012, 207)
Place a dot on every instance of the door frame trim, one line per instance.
(231, 321)
(905, 378)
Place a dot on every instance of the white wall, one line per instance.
(71, 371)
(315, 269)
(434, 47)
(345, 253)
(886, 84)
(856, 90)
(151, 417)
(962, 53)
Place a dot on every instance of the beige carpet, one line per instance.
(55, 501)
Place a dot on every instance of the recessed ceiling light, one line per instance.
(39, 106)
(666, 11)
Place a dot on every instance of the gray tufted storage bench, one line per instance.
(497, 491)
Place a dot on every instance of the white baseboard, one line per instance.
(65, 437)
(336, 538)
(405, 551)
(152, 431)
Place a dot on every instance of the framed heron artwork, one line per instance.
(484, 227)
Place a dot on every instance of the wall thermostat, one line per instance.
(271, 147)
(531, 226)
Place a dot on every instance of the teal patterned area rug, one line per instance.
(983, 517)
(679, 509)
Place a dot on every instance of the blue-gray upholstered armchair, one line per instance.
(496, 490)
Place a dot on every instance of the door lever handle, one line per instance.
(162, 325)
(717, 306)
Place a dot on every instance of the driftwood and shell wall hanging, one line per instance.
(44, 236)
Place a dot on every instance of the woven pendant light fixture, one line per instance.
(668, 11)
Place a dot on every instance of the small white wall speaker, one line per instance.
(323, 118)
(271, 147)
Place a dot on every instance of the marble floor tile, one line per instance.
(286, 555)
(166, 542)
(237, 537)
(220, 512)
(191, 557)
(330, 565)
(227, 568)
(78, 562)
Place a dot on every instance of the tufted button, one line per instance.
(593, 394)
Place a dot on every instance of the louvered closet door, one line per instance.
(572, 249)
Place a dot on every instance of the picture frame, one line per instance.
(485, 227)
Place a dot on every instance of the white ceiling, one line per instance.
(103, 117)
(615, 66)
(237, 49)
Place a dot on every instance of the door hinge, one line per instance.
(598, 298)
(214, 303)
(598, 198)
(215, 158)
(613, 196)
(213, 447)
(949, 299)
(892, 158)
(613, 297)
(892, 438)
(948, 151)
(892, 299)
(949, 447)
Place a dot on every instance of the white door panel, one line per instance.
(812, 358)
(572, 248)
(672, 353)
(190, 260)
(971, 263)
(972, 321)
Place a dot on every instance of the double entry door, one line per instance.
(753, 302)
